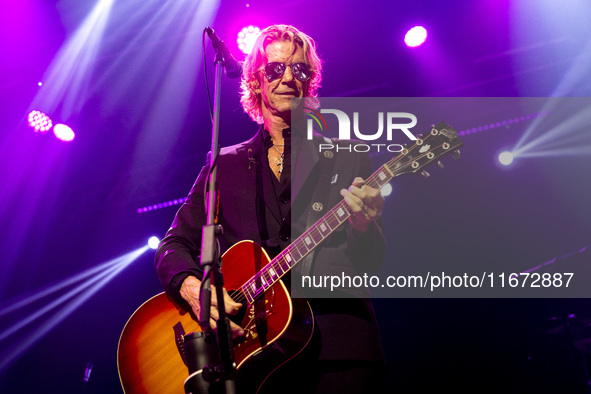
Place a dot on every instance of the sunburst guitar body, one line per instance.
(276, 329)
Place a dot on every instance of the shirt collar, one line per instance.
(268, 141)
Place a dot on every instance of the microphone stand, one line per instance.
(211, 261)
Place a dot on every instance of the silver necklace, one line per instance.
(279, 161)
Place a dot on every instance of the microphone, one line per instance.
(232, 67)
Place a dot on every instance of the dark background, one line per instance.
(135, 95)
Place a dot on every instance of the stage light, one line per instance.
(506, 158)
(63, 299)
(153, 242)
(386, 190)
(71, 73)
(87, 372)
(503, 123)
(161, 205)
(39, 121)
(63, 132)
(247, 37)
(415, 36)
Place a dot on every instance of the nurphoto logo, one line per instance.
(394, 122)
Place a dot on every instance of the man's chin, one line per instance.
(284, 108)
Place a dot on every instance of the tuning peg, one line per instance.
(440, 164)
(456, 154)
(425, 174)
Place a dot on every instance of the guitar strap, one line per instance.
(320, 199)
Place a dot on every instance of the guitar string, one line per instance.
(276, 262)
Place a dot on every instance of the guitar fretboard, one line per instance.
(306, 242)
(443, 139)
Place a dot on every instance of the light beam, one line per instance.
(69, 302)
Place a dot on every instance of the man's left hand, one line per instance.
(365, 202)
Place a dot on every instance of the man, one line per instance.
(257, 201)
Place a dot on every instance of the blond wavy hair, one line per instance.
(251, 70)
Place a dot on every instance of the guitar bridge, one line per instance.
(179, 335)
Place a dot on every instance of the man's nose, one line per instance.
(287, 75)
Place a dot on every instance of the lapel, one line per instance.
(260, 177)
(307, 159)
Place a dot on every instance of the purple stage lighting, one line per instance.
(247, 37)
(415, 36)
(153, 242)
(506, 158)
(63, 132)
(386, 190)
(161, 205)
(39, 121)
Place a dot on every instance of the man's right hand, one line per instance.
(190, 293)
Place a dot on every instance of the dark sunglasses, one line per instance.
(275, 70)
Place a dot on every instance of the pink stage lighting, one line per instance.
(161, 205)
(63, 132)
(247, 37)
(39, 121)
(415, 36)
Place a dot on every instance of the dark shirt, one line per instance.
(281, 188)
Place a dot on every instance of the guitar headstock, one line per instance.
(426, 150)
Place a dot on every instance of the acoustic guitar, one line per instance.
(150, 358)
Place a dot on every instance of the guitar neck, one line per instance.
(307, 242)
(440, 141)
